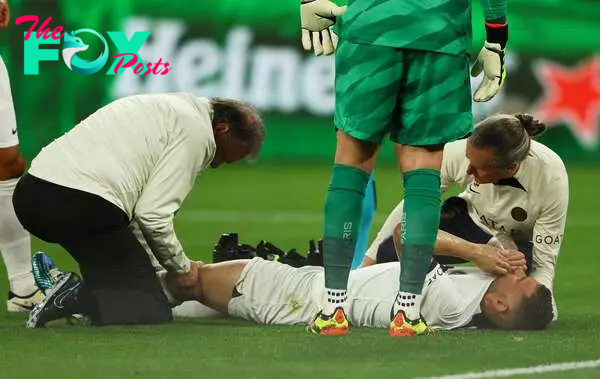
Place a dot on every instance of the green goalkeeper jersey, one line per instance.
(442, 26)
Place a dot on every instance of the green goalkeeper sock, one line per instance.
(421, 221)
(343, 211)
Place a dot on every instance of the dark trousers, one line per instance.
(120, 285)
(455, 220)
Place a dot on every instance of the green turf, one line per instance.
(283, 204)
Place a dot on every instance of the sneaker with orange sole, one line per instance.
(333, 325)
(402, 326)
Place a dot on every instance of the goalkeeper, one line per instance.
(401, 69)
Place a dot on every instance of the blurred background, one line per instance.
(244, 49)
(252, 51)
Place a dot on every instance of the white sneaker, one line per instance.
(17, 303)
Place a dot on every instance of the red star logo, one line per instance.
(572, 96)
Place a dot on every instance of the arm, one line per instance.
(170, 182)
(503, 241)
(494, 11)
(496, 27)
(487, 257)
(548, 232)
(155, 210)
(490, 60)
(367, 261)
(446, 244)
(137, 232)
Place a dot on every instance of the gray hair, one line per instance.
(508, 135)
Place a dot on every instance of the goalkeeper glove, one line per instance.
(491, 62)
(317, 20)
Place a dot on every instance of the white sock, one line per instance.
(15, 244)
(410, 303)
(334, 298)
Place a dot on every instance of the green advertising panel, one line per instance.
(246, 50)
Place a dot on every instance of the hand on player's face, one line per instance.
(4, 14)
(497, 261)
(516, 261)
(490, 259)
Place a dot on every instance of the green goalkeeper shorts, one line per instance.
(420, 98)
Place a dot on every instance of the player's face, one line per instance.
(518, 284)
(509, 291)
(481, 166)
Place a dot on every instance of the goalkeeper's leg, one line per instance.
(420, 225)
(343, 210)
(435, 109)
(366, 85)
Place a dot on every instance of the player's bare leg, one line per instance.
(420, 167)
(15, 242)
(215, 285)
(354, 162)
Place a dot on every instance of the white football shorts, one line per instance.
(275, 293)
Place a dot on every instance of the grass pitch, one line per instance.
(283, 204)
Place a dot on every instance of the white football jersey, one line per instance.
(449, 300)
(141, 153)
(531, 207)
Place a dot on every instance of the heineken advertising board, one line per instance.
(242, 49)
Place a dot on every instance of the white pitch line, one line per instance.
(300, 217)
(505, 373)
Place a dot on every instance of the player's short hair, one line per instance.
(508, 135)
(534, 312)
(245, 123)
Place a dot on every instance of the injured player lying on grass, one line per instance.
(498, 294)
(268, 292)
